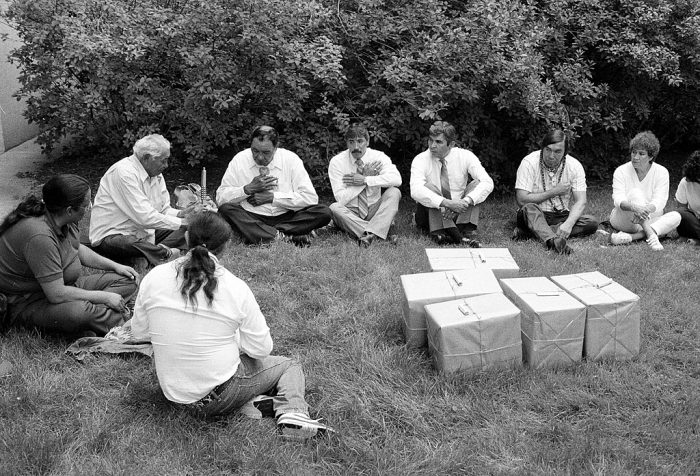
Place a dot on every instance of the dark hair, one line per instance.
(356, 131)
(691, 167)
(207, 231)
(443, 127)
(646, 141)
(264, 132)
(59, 192)
(554, 136)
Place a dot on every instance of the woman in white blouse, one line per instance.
(640, 192)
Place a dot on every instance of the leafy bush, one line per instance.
(205, 72)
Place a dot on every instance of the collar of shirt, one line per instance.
(59, 231)
(274, 163)
(143, 175)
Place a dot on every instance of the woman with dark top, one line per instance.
(688, 197)
(41, 259)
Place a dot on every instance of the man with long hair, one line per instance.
(550, 188)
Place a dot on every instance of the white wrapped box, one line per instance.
(429, 288)
(552, 321)
(612, 315)
(473, 334)
(498, 260)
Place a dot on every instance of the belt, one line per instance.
(210, 397)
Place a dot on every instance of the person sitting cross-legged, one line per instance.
(447, 202)
(640, 192)
(211, 343)
(550, 188)
(41, 260)
(266, 194)
(132, 219)
(688, 197)
(357, 177)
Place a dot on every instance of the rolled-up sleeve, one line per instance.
(478, 172)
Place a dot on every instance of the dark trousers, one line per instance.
(124, 248)
(256, 229)
(690, 225)
(532, 220)
(430, 220)
(34, 310)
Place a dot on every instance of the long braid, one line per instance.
(207, 231)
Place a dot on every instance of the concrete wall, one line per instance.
(14, 128)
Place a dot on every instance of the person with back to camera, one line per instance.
(41, 259)
(640, 192)
(688, 197)
(211, 343)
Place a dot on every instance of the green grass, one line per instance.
(337, 308)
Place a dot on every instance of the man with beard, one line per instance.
(364, 183)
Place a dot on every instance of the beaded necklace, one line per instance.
(551, 173)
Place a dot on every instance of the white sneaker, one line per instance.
(653, 242)
(620, 238)
(299, 426)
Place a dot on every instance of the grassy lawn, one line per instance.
(337, 308)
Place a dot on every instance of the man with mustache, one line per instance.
(132, 217)
(364, 183)
(448, 183)
(266, 194)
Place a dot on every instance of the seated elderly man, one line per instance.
(447, 201)
(357, 177)
(267, 194)
(131, 217)
(550, 188)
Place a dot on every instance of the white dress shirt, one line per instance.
(529, 178)
(129, 202)
(344, 163)
(461, 163)
(195, 351)
(294, 189)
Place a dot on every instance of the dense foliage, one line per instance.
(204, 72)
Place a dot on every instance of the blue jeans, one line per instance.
(280, 377)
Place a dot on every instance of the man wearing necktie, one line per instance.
(448, 183)
(550, 188)
(132, 217)
(364, 183)
(266, 194)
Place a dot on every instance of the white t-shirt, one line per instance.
(688, 193)
(529, 178)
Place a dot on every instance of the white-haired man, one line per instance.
(131, 216)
